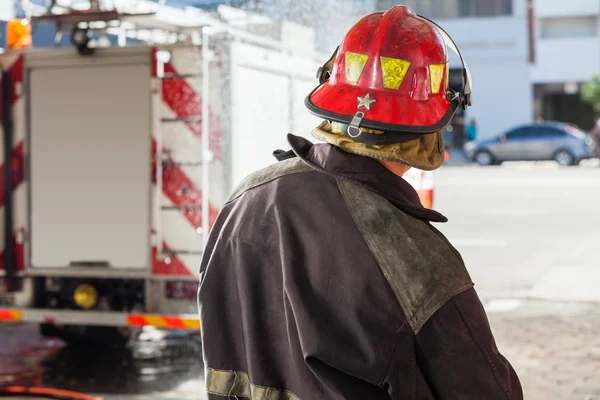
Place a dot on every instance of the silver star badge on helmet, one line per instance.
(365, 102)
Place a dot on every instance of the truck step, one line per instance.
(170, 163)
(180, 76)
(184, 119)
(167, 253)
(181, 208)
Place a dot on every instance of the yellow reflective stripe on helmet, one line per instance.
(355, 64)
(234, 383)
(394, 70)
(447, 75)
(436, 74)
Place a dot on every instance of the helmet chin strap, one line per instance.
(324, 72)
(465, 97)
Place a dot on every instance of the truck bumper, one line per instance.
(99, 318)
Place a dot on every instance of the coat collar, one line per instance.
(365, 172)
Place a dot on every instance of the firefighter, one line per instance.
(323, 277)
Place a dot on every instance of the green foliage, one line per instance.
(590, 93)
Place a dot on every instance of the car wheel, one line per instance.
(483, 157)
(564, 158)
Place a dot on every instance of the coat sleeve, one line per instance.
(457, 354)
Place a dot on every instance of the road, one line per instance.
(524, 231)
(529, 235)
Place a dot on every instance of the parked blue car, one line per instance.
(545, 141)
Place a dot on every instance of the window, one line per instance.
(553, 133)
(486, 8)
(453, 8)
(521, 133)
(568, 27)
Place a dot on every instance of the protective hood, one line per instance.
(425, 153)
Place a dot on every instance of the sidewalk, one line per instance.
(554, 347)
(457, 158)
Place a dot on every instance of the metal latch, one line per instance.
(354, 130)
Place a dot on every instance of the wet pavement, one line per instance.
(157, 365)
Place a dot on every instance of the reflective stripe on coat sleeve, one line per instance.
(235, 383)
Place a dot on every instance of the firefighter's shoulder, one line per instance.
(269, 174)
(420, 265)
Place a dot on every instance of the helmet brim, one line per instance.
(338, 102)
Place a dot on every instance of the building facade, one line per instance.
(526, 64)
(567, 54)
(492, 35)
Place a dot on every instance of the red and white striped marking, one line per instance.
(163, 322)
(7, 315)
(422, 181)
(182, 185)
(13, 64)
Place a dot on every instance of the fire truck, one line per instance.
(116, 159)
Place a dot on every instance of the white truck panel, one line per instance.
(90, 166)
(261, 119)
(268, 91)
(304, 122)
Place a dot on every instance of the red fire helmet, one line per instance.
(391, 73)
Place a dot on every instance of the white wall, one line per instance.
(566, 60)
(520, 8)
(268, 92)
(502, 97)
(496, 51)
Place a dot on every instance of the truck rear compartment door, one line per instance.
(90, 144)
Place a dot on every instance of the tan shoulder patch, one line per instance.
(266, 175)
(421, 268)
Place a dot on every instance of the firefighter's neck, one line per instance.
(397, 168)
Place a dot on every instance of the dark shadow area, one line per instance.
(143, 367)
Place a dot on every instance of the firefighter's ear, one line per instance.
(324, 72)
